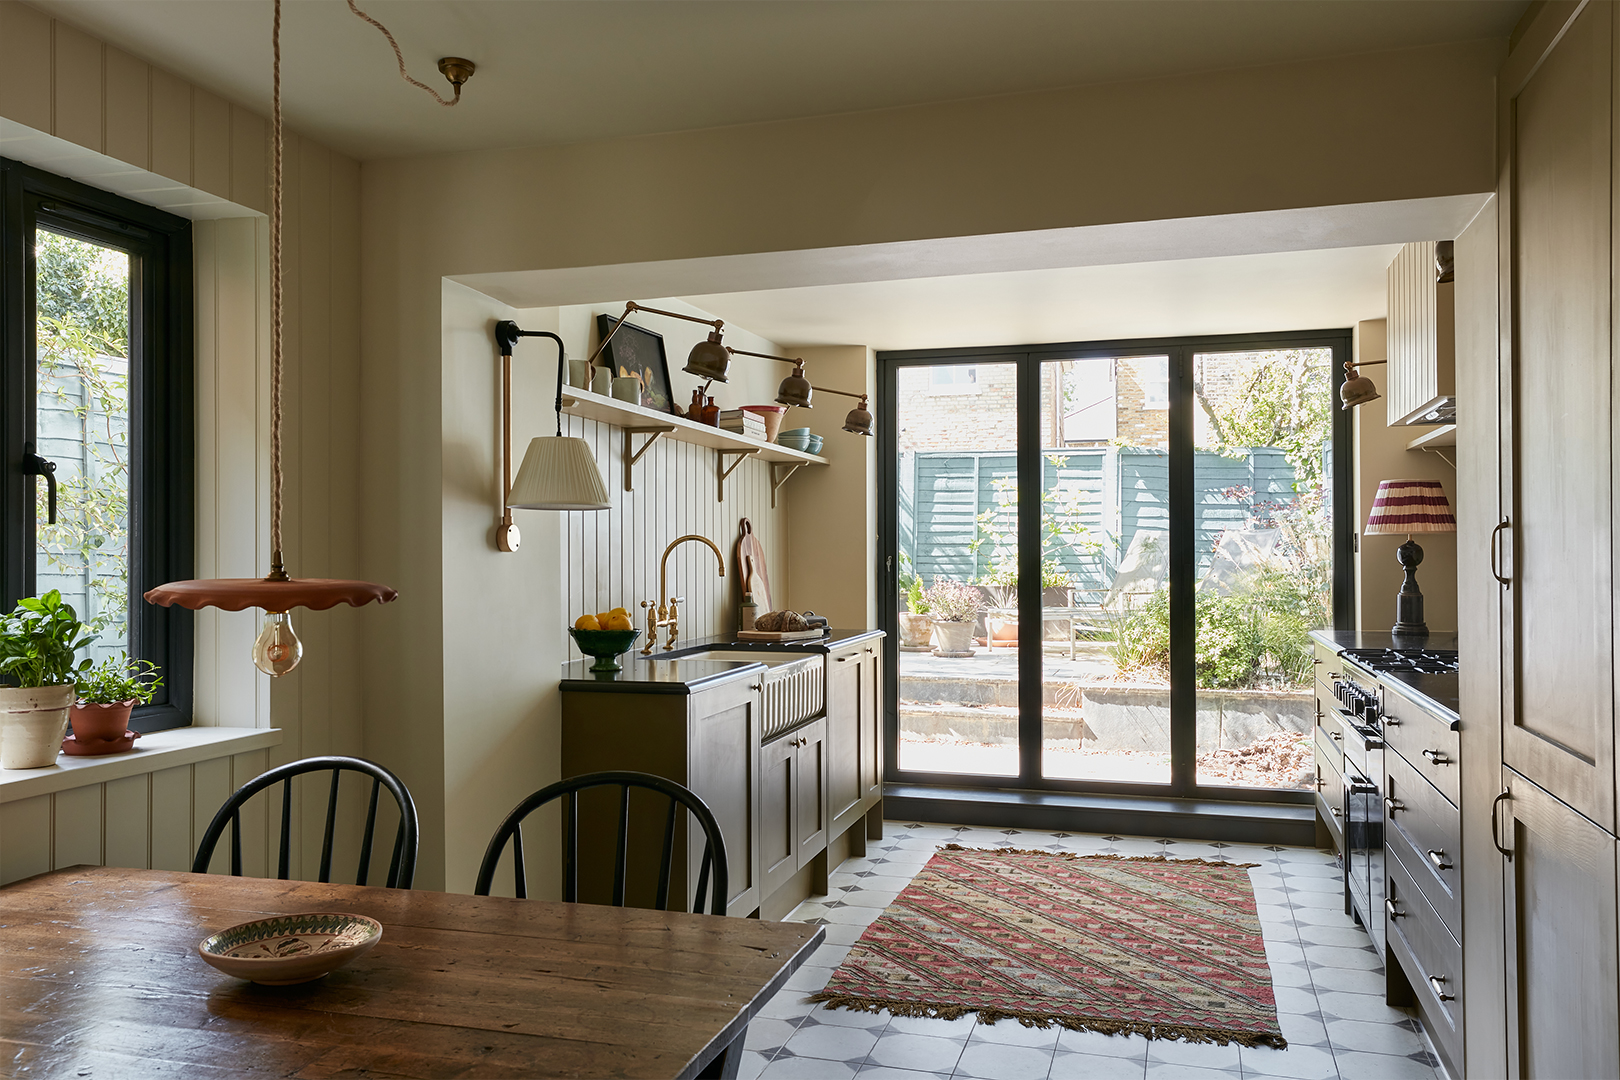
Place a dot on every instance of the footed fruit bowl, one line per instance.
(606, 645)
(290, 949)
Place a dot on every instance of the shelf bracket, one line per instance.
(780, 471)
(727, 470)
(630, 458)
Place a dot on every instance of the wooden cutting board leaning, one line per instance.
(756, 576)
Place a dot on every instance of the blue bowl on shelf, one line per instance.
(793, 433)
(814, 445)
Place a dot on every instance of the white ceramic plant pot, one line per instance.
(915, 630)
(33, 722)
(954, 638)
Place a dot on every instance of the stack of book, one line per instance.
(746, 424)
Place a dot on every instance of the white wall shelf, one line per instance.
(1445, 435)
(652, 425)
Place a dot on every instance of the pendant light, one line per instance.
(277, 649)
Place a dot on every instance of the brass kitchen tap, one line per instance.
(669, 616)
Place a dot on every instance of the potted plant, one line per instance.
(107, 694)
(37, 645)
(954, 607)
(915, 625)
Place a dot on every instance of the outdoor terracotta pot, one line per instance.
(915, 630)
(93, 722)
(33, 721)
(954, 637)
(1002, 628)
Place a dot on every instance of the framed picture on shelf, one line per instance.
(638, 354)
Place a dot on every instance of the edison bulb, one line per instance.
(277, 650)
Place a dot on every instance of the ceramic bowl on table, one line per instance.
(290, 949)
(606, 645)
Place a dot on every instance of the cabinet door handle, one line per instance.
(756, 686)
(1498, 801)
(1394, 912)
(1336, 736)
(1495, 572)
(843, 659)
(1438, 858)
(1436, 756)
(1393, 805)
(1391, 721)
(1437, 983)
(1335, 811)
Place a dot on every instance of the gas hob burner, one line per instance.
(1425, 661)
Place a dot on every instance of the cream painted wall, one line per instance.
(141, 131)
(833, 564)
(1381, 454)
(1265, 139)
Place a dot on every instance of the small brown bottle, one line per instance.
(711, 414)
(694, 411)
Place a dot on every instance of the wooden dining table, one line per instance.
(100, 977)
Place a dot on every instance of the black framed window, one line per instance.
(96, 388)
(1151, 527)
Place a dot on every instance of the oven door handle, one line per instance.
(1363, 787)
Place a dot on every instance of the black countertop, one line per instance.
(670, 673)
(1432, 691)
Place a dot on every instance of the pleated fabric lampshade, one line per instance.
(1403, 507)
(558, 473)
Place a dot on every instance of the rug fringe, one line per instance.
(1148, 1030)
(1114, 858)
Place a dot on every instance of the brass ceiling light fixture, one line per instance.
(277, 649)
(453, 68)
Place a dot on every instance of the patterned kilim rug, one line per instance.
(1166, 948)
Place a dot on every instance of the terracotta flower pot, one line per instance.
(955, 638)
(1002, 628)
(33, 720)
(915, 630)
(94, 723)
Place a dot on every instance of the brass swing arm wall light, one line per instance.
(1357, 388)
(707, 360)
(558, 472)
(797, 391)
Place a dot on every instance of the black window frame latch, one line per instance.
(34, 465)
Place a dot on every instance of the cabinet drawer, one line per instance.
(1427, 744)
(1428, 954)
(1330, 738)
(1426, 835)
(1330, 797)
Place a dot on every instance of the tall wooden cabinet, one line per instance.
(854, 678)
(1552, 552)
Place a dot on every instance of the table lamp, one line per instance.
(1410, 506)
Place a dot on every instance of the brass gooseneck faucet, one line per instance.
(662, 615)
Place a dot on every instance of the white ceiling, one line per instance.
(558, 71)
(1294, 290)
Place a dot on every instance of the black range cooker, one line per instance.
(1361, 693)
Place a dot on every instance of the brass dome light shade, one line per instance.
(277, 649)
(859, 420)
(795, 389)
(707, 360)
(1357, 388)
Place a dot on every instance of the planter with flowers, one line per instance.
(107, 694)
(955, 608)
(916, 625)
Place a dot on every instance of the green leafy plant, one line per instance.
(1064, 533)
(911, 587)
(38, 641)
(953, 601)
(118, 679)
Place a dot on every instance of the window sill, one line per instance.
(152, 753)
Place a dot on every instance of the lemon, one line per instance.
(618, 622)
(602, 618)
(620, 611)
(587, 622)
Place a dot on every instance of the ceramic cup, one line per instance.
(601, 381)
(627, 390)
(579, 374)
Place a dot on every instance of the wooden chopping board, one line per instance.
(751, 561)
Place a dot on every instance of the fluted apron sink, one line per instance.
(795, 685)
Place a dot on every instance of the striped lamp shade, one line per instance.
(1410, 506)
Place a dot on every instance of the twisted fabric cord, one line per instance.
(275, 295)
(399, 56)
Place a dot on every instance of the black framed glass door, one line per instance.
(1141, 534)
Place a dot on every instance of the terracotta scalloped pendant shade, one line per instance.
(235, 594)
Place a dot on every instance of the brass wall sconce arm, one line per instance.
(795, 389)
(707, 360)
(1357, 388)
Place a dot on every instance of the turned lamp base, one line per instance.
(1409, 601)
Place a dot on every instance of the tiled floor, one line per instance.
(1328, 981)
